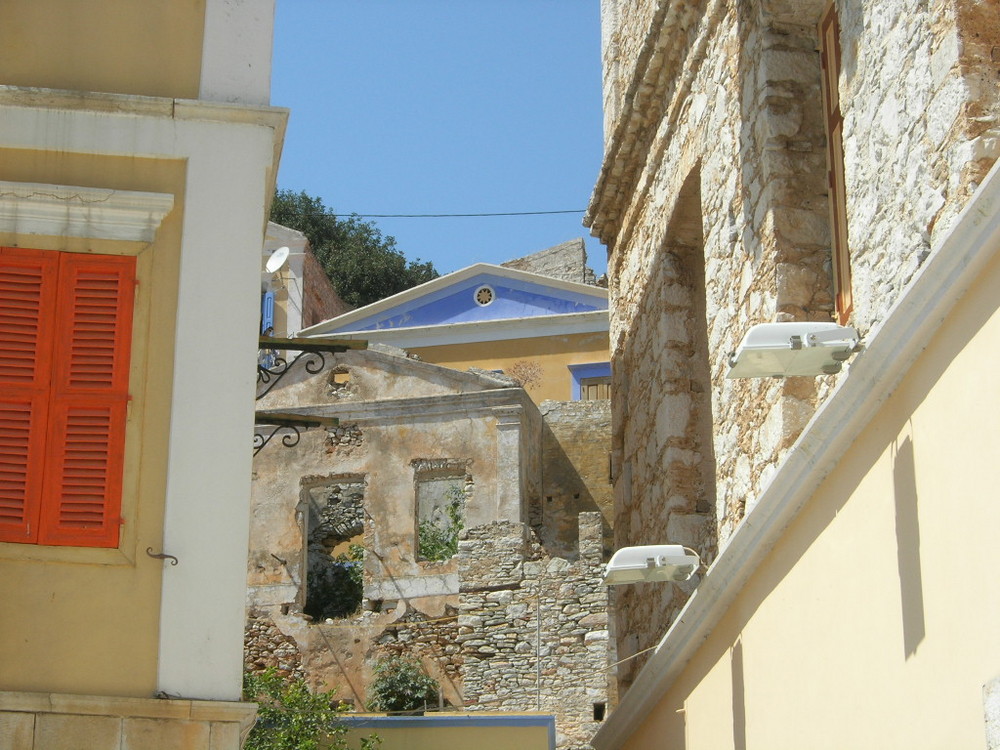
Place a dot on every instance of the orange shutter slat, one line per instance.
(86, 460)
(86, 441)
(27, 308)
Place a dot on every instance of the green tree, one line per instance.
(363, 264)
(290, 716)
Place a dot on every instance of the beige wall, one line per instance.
(872, 623)
(553, 354)
(152, 48)
(52, 594)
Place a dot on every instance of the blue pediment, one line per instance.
(457, 303)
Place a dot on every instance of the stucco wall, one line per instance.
(551, 354)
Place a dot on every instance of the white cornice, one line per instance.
(443, 282)
(873, 375)
(594, 321)
(92, 213)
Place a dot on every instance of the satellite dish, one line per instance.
(278, 258)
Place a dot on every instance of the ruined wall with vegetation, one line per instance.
(403, 533)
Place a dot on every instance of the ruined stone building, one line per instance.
(773, 161)
(512, 615)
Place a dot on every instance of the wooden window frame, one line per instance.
(830, 60)
(597, 380)
(64, 371)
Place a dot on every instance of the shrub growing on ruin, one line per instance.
(525, 373)
(437, 537)
(290, 715)
(401, 684)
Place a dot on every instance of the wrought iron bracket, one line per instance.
(312, 352)
(290, 439)
(269, 377)
(293, 424)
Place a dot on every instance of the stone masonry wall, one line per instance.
(712, 202)
(534, 635)
(576, 443)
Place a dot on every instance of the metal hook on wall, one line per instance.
(161, 556)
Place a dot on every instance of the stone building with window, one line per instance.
(445, 519)
(812, 161)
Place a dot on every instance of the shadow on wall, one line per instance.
(904, 479)
(662, 386)
(565, 492)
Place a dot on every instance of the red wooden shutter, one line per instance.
(27, 308)
(89, 397)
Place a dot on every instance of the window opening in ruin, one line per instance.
(442, 488)
(829, 37)
(599, 710)
(335, 555)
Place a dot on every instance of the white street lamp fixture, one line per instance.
(781, 350)
(657, 562)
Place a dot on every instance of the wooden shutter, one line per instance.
(27, 308)
(89, 397)
(595, 389)
(829, 36)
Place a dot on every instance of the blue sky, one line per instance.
(444, 107)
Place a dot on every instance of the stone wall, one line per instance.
(320, 300)
(712, 202)
(533, 634)
(566, 261)
(576, 446)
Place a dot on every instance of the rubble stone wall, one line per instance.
(576, 446)
(534, 636)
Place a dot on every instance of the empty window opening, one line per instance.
(442, 493)
(599, 710)
(335, 556)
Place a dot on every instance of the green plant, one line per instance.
(437, 537)
(291, 717)
(401, 684)
(336, 589)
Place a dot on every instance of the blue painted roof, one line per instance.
(455, 303)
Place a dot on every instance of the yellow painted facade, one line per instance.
(155, 112)
(152, 48)
(479, 730)
(876, 611)
(552, 355)
(49, 591)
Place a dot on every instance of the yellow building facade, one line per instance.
(137, 132)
